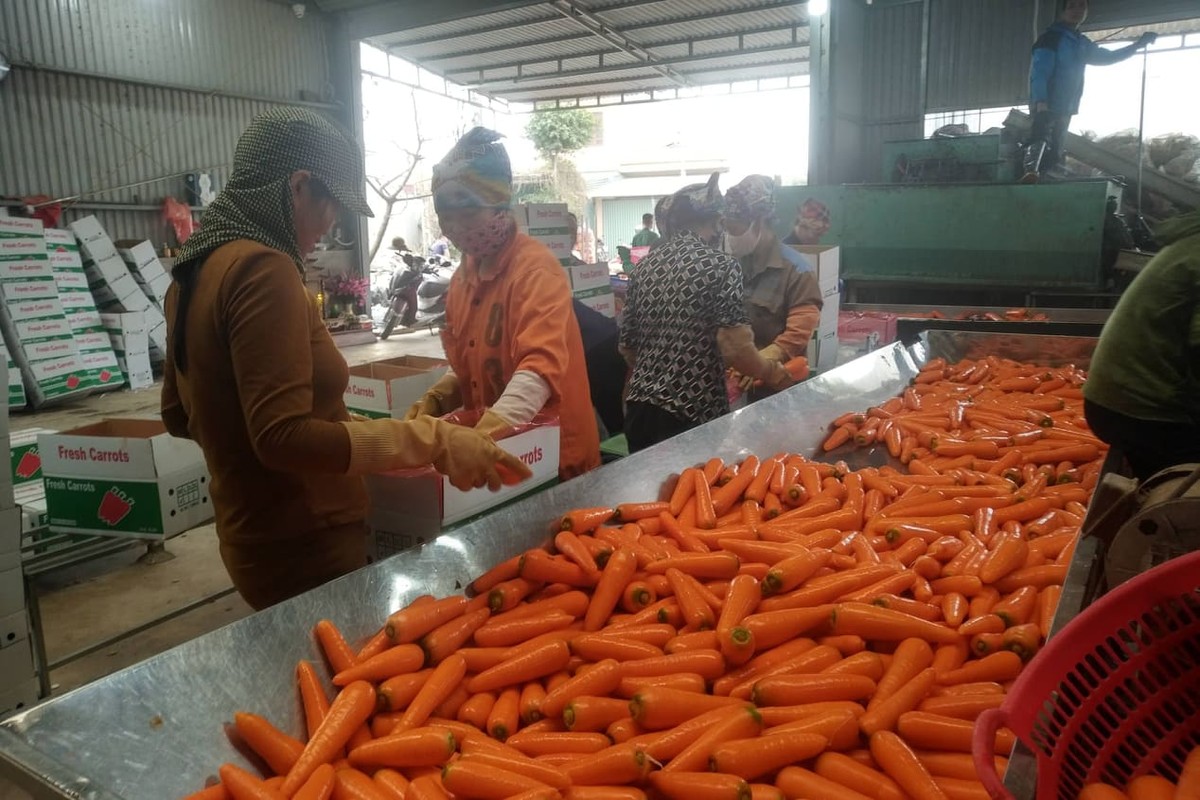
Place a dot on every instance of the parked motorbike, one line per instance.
(402, 293)
(431, 294)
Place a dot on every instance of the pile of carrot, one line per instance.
(776, 628)
(1152, 787)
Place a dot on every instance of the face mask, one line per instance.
(744, 244)
(488, 238)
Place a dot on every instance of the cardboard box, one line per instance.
(823, 351)
(156, 329)
(124, 477)
(601, 300)
(26, 268)
(13, 628)
(114, 288)
(12, 593)
(35, 516)
(586, 277)
(10, 532)
(388, 388)
(22, 291)
(16, 663)
(147, 270)
(866, 330)
(136, 367)
(545, 215)
(420, 502)
(94, 243)
(825, 261)
(25, 457)
(23, 696)
(20, 237)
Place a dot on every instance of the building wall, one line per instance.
(620, 218)
(894, 92)
(116, 101)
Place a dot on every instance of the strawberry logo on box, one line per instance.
(72, 381)
(105, 376)
(30, 464)
(115, 506)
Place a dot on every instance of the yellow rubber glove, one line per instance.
(774, 352)
(492, 424)
(468, 458)
(442, 398)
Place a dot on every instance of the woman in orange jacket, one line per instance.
(511, 336)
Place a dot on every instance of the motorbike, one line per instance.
(402, 293)
(431, 294)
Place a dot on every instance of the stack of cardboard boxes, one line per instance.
(113, 284)
(18, 680)
(823, 347)
(95, 352)
(15, 396)
(590, 283)
(130, 341)
(147, 270)
(36, 330)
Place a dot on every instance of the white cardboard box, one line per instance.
(10, 531)
(147, 270)
(13, 628)
(24, 695)
(12, 591)
(136, 367)
(124, 477)
(602, 300)
(16, 663)
(94, 242)
(388, 388)
(423, 501)
(586, 277)
(21, 237)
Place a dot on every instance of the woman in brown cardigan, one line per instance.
(253, 376)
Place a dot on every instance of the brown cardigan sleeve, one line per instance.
(266, 318)
(802, 296)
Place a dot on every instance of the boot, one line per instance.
(1034, 153)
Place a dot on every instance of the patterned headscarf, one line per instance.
(751, 200)
(692, 205)
(256, 201)
(476, 173)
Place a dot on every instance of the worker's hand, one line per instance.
(428, 406)
(442, 398)
(493, 425)
(744, 382)
(1146, 39)
(472, 460)
(777, 378)
(774, 352)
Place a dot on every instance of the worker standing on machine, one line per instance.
(782, 302)
(1060, 57)
(684, 321)
(1142, 395)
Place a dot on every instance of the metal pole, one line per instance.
(1142, 131)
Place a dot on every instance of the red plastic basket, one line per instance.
(1114, 695)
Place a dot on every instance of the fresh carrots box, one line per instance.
(19, 698)
(419, 503)
(388, 388)
(124, 477)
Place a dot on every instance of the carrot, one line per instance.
(1101, 791)
(396, 693)
(600, 680)
(740, 602)
(572, 601)
(793, 571)
(901, 764)
(696, 610)
(707, 663)
(883, 715)
(585, 520)
(911, 657)
(772, 628)
(604, 793)
(847, 772)
(1150, 787)
(466, 778)
(413, 622)
(542, 743)
(214, 792)
(444, 640)
(873, 622)
(797, 782)
(1018, 607)
(397, 660)
(1047, 604)
(505, 715)
(312, 696)
(695, 640)
(786, 690)
(632, 512)
(375, 645)
(714, 566)
(636, 596)
(617, 574)
(1188, 785)
(419, 747)
(597, 647)
(511, 632)
(337, 652)
(737, 645)
(739, 723)
(532, 695)
(683, 681)
(348, 712)
(961, 706)
(506, 595)
(504, 571)
(439, 686)
(477, 709)
(1002, 666)
(538, 565)
(275, 747)
(593, 714)
(865, 663)
(935, 732)
(660, 707)
(619, 764)
(534, 662)
(1022, 640)
(700, 786)
(426, 787)
(684, 489)
(321, 785)
(751, 758)
(241, 785)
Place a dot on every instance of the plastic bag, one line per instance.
(179, 217)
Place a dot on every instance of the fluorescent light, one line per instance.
(818, 7)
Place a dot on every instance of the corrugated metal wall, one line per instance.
(620, 218)
(979, 53)
(88, 118)
(894, 99)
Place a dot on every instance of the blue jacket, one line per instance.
(1060, 56)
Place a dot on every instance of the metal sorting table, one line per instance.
(155, 730)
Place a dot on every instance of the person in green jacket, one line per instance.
(1142, 395)
(646, 237)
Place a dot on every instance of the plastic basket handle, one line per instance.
(983, 747)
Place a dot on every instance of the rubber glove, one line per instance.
(774, 352)
(737, 348)
(442, 398)
(492, 425)
(468, 458)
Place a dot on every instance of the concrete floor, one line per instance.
(95, 601)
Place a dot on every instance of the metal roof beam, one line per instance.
(793, 27)
(525, 80)
(398, 15)
(581, 16)
(774, 5)
(516, 94)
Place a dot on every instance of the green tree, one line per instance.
(556, 135)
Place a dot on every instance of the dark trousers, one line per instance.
(647, 424)
(1148, 446)
(1050, 129)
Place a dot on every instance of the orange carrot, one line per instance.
(279, 750)
(337, 652)
(376, 644)
(505, 716)
(413, 622)
(636, 596)
(1002, 666)
(509, 632)
(506, 595)
(935, 732)
(321, 785)
(797, 782)
(440, 643)
(751, 758)
(241, 785)
(477, 709)
(585, 520)
(439, 686)
(873, 622)
(617, 574)
(532, 695)
(739, 723)
(347, 713)
(597, 647)
(619, 764)
(696, 610)
(700, 786)
(911, 657)
(883, 715)
(600, 680)
(707, 663)
(533, 662)
(312, 696)
(214, 792)
(684, 489)
(772, 628)
(538, 565)
(901, 764)
(540, 743)
(396, 693)
(426, 787)
(397, 660)
(466, 778)
(593, 714)
(659, 707)
(793, 571)
(419, 747)
(844, 770)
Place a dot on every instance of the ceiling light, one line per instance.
(818, 7)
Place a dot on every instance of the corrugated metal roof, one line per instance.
(574, 49)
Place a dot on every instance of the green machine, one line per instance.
(964, 242)
(955, 159)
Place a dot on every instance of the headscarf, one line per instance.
(751, 200)
(256, 201)
(476, 173)
(690, 206)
